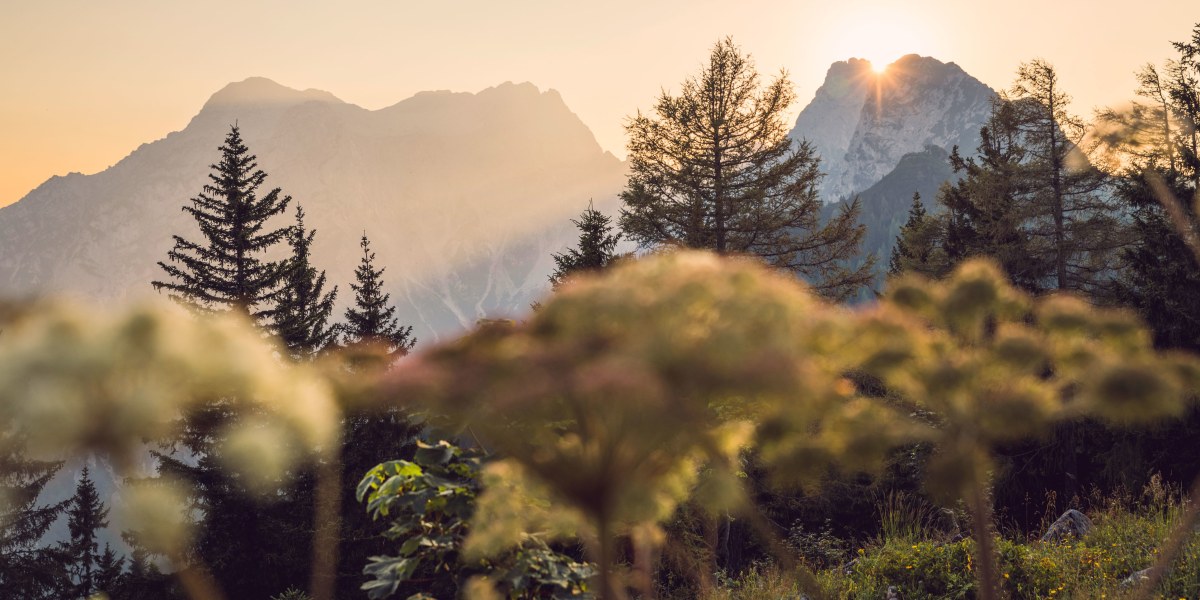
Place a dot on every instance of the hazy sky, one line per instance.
(83, 83)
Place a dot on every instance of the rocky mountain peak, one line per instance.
(260, 91)
(861, 122)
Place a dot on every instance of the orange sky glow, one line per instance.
(83, 83)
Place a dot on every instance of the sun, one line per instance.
(881, 36)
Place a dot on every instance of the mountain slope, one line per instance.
(464, 197)
(885, 205)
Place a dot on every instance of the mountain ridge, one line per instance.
(464, 195)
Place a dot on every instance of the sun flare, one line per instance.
(881, 38)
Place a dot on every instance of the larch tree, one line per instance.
(1160, 278)
(228, 270)
(302, 314)
(596, 249)
(372, 320)
(714, 168)
(1071, 219)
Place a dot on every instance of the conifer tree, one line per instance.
(597, 246)
(1161, 280)
(143, 580)
(984, 212)
(302, 315)
(1071, 221)
(86, 517)
(109, 570)
(372, 320)
(919, 245)
(227, 271)
(714, 168)
(28, 569)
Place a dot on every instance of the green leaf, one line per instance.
(438, 455)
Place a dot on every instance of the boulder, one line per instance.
(1135, 578)
(1071, 524)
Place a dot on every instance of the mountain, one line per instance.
(885, 205)
(464, 197)
(861, 122)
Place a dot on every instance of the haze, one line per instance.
(84, 83)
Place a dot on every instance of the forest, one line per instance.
(713, 401)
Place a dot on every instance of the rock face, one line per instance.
(1072, 524)
(464, 197)
(861, 122)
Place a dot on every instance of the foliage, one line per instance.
(28, 570)
(88, 381)
(371, 320)
(226, 272)
(919, 247)
(714, 168)
(597, 247)
(1123, 542)
(86, 517)
(292, 594)
(429, 503)
(301, 317)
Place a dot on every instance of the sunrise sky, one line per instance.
(83, 83)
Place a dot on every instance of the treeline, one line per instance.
(680, 417)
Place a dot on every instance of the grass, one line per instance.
(930, 566)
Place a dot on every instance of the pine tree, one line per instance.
(28, 569)
(714, 168)
(86, 517)
(919, 245)
(227, 271)
(371, 320)
(597, 246)
(302, 315)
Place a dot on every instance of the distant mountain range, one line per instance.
(883, 136)
(464, 197)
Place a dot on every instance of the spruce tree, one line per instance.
(597, 246)
(302, 315)
(372, 320)
(143, 580)
(984, 208)
(714, 168)
(109, 571)
(369, 437)
(29, 570)
(227, 270)
(919, 245)
(254, 547)
(86, 517)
